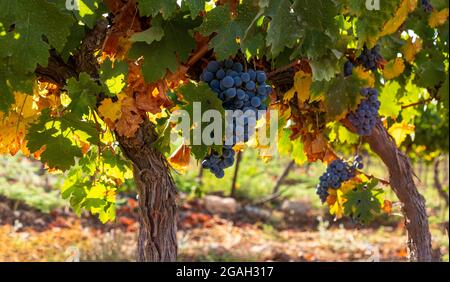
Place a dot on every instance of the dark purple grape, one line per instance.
(238, 90)
(365, 117)
(337, 172)
(348, 68)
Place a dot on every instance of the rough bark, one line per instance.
(413, 203)
(157, 239)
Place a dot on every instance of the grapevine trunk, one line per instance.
(413, 203)
(157, 239)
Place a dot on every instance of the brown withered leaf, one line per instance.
(130, 119)
(180, 158)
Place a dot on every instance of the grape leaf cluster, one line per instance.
(365, 117)
(337, 172)
(370, 59)
(243, 91)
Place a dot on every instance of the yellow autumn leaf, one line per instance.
(410, 49)
(302, 85)
(387, 207)
(412, 4)
(289, 95)
(25, 105)
(13, 126)
(301, 88)
(12, 133)
(399, 131)
(438, 18)
(347, 186)
(393, 24)
(97, 191)
(337, 208)
(366, 76)
(393, 68)
(111, 195)
(110, 111)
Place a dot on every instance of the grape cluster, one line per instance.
(366, 115)
(427, 7)
(337, 172)
(216, 163)
(369, 59)
(348, 68)
(244, 91)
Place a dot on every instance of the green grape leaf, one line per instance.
(58, 135)
(443, 93)
(298, 154)
(195, 6)
(317, 19)
(166, 54)
(154, 33)
(6, 95)
(92, 183)
(430, 70)
(76, 36)
(388, 98)
(284, 142)
(163, 129)
(155, 7)
(341, 95)
(83, 94)
(284, 28)
(346, 136)
(228, 29)
(363, 203)
(11, 81)
(113, 76)
(316, 13)
(26, 23)
(85, 130)
(59, 151)
(89, 11)
(207, 100)
(369, 22)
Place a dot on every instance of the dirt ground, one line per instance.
(28, 235)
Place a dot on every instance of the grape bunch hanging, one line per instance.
(370, 59)
(337, 173)
(366, 115)
(239, 89)
(426, 5)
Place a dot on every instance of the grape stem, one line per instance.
(425, 101)
(283, 68)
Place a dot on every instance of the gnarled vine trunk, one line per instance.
(401, 179)
(157, 239)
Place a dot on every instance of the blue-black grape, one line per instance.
(370, 58)
(348, 68)
(239, 89)
(366, 115)
(427, 7)
(227, 82)
(337, 173)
